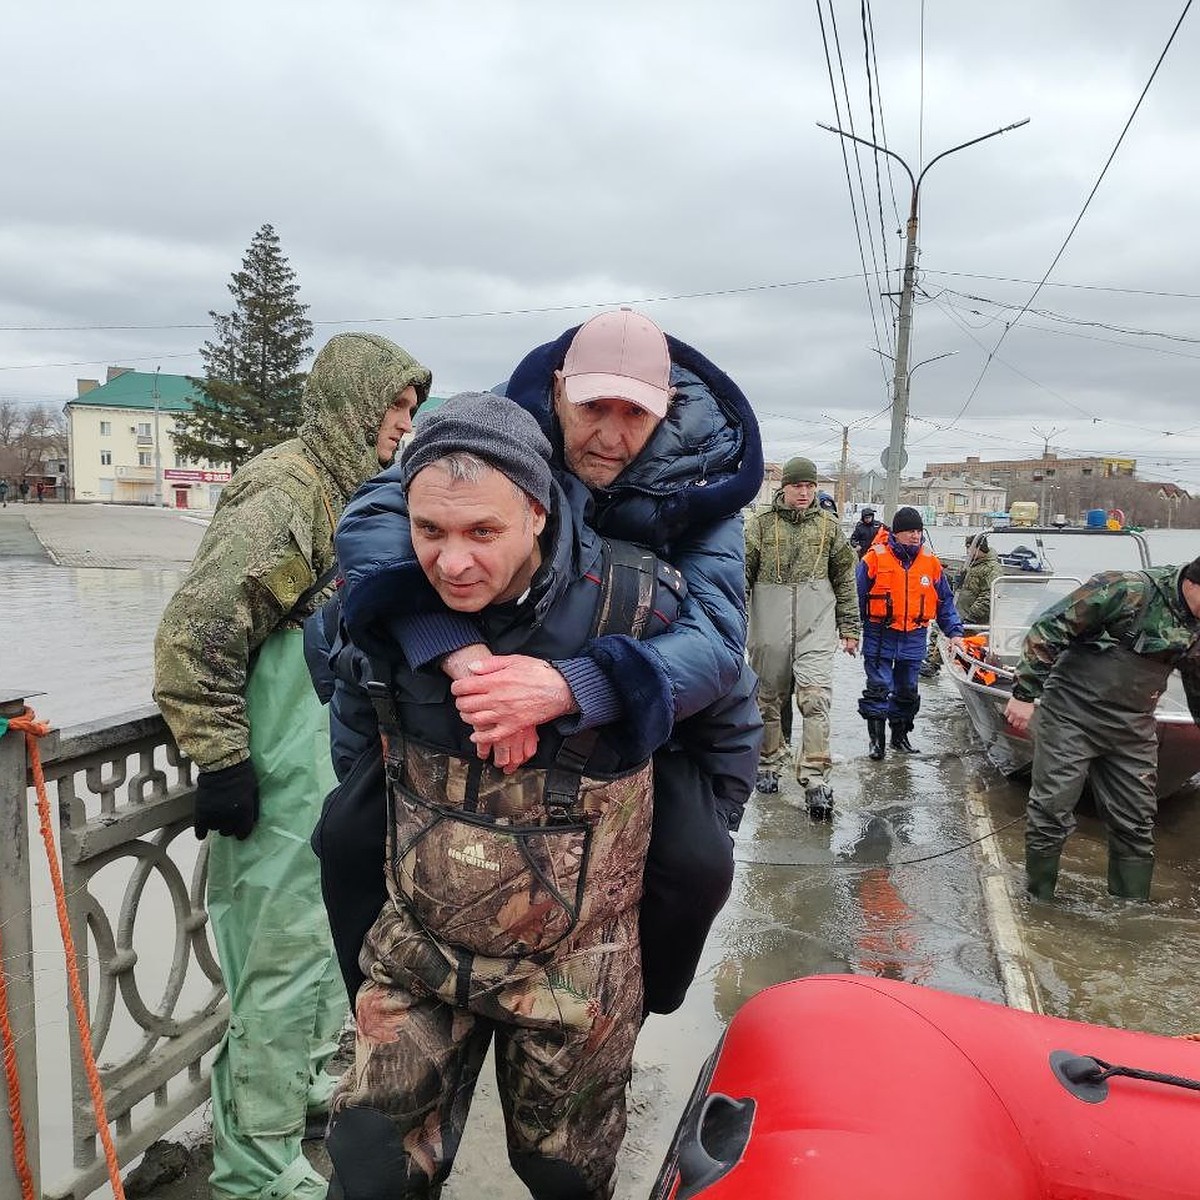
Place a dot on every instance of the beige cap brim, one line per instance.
(582, 388)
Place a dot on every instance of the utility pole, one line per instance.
(841, 498)
(896, 456)
(1045, 458)
(158, 477)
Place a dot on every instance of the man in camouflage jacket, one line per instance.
(973, 597)
(1097, 662)
(231, 682)
(803, 604)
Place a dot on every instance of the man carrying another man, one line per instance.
(512, 895)
(800, 581)
(1098, 661)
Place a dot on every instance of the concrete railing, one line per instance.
(123, 796)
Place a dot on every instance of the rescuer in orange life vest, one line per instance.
(901, 589)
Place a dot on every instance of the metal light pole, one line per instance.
(896, 455)
(158, 478)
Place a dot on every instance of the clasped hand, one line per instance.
(504, 697)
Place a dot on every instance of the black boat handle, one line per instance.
(728, 1123)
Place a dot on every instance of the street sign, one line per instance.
(883, 458)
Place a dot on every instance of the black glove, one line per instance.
(227, 801)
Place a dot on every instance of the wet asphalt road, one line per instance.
(889, 887)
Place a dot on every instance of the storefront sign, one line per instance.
(179, 476)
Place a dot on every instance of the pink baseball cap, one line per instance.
(622, 355)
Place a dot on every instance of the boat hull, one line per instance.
(851, 1086)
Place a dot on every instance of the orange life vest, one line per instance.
(900, 599)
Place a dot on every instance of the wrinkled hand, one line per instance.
(507, 693)
(226, 801)
(507, 753)
(1019, 713)
(850, 645)
(957, 643)
(511, 753)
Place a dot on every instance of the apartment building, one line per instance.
(121, 446)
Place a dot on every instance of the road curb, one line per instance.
(1008, 943)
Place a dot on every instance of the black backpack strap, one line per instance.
(634, 586)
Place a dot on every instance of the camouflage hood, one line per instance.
(351, 385)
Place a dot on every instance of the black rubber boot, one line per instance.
(766, 782)
(818, 799)
(900, 738)
(1041, 875)
(1129, 878)
(877, 733)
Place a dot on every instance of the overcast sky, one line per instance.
(431, 167)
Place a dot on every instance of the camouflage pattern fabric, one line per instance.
(1143, 611)
(974, 596)
(789, 546)
(565, 1020)
(476, 857)
(270, 539)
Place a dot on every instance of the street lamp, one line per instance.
(158, 478)
(891, 494)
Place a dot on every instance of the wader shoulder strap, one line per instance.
(1135, 638)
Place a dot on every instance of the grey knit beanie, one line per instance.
(492, 428)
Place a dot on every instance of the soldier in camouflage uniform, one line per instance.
(800, 581)
(1098, 661)
(973, 595)
(512, 896)
(232, 684)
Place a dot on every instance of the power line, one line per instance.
(462, 316)
(1083, 287)
(871, 299)
(1082, 211)
(1050, 315)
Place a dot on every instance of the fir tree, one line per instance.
(250, 393)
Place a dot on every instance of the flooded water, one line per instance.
(85, 636)
(889, 887)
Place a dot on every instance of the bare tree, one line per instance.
(29, 436)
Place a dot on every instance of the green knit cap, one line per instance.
(799, 470)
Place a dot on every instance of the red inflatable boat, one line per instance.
(854, 1087)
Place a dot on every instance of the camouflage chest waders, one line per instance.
(513, 912)
(1096, 724)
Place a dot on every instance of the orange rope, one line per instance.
(33, 729)
(15, 1115)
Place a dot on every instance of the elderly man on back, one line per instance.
(803, 606)
(669, 449)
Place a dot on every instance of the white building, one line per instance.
(120, 435)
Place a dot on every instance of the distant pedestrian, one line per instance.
(901, 590)
(23, 488)
(3, 493)
(866, 531)
(41, 490)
